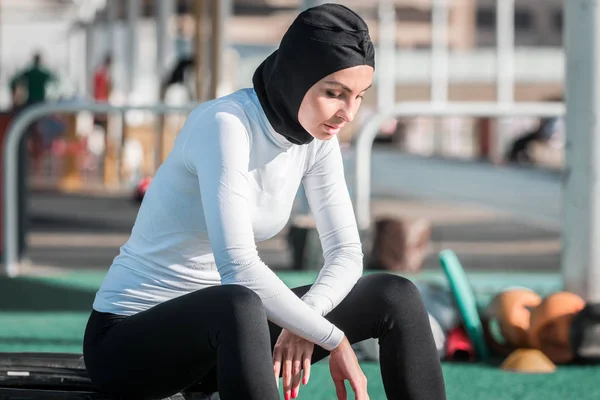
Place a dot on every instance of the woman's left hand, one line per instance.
(291, 355)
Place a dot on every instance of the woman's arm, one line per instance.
(330, 203)
(218, 152)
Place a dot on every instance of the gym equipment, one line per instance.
(53, 376)
(458, 346)
(530, 361)
(585, 334)
(466, 301)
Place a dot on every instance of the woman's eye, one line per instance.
(331, 94)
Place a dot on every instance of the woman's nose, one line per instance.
(347, 113)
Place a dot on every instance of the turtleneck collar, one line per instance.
(276, 138)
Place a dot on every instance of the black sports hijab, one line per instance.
(320, 41)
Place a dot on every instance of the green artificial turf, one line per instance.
(48, 314)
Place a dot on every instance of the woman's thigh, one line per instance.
(358, 315)
(161, 351)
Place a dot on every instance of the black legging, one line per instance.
(220, 336)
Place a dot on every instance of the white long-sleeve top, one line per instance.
(229, 182)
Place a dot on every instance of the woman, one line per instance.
(188, 299)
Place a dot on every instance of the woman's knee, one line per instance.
(393, 292)
(243, 320)
(242, 303)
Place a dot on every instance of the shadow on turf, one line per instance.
(494, 361)
(20, 341)
(27, 294)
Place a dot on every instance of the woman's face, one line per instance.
(333, 102)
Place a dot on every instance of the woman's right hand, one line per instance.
(343, 365)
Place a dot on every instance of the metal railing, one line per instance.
(364, 145)
(366, 136)
(11, 158)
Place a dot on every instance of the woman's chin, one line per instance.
(325, 137)
(325, 134)
(330, 130)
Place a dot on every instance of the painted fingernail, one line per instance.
(287, 395)
(295, 393)
(304, 381)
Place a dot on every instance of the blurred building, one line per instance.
(413, 17)
(73, 36)
(538, 59)
(538, 23)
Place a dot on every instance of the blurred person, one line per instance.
(183, 45)
(32, 83)
(188, 300)
(184, 64)
(102, 89)
(34, 80)
(102, 80)
(547, 129)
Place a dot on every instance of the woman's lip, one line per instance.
(333, 126)
(331, 130)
